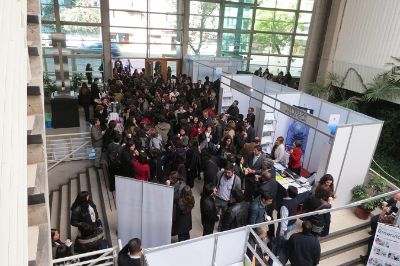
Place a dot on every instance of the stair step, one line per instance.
(95, 191)
(55, 209)
(73, 192)
(344, 242)
(345, 231)
(31, 182)
(350, 257)
(83, 182)
(109, 209)
(64, 213)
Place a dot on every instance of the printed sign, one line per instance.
(385, 249)
(298, 114)
(240, 87)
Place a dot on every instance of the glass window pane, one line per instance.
(79, 3)
(261, 43)
(242, 1)
(295, 71)
(204, 8)
(131, 50)
(278, 61)
(287, 4)
(202, 43)
(297, 62)
(80, 14)
(139, 5)
(165, 51)
(128, 35)
(166, 6)
(307, 5)
(277, 21)
(238, 18)
(164, 21)
(128, 19)
(267, 3)
(78, 65)
(203, 22)
(264, 20)
(299, 45)
(271, 43)
(81, 33)
(304, 23)
(235, 43)
(165, 36)
(47, 12)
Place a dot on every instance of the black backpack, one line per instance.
(114, 157)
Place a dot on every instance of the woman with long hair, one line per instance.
(208, 210)
(84, 212)
(182, 214)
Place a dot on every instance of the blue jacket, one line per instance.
(257, 211)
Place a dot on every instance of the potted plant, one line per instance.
(375, 186)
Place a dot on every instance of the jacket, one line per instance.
(303, 249)
(125, 260)
(181, 219)
(81, 215)
(156, 143)
(257, 211)
(235, 216)
(192, 159)
(295, 158)
(313, 204)
(97, 137)
(208, 211)
(142, 171)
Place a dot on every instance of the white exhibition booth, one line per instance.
(198, 67)
(141, 214)
(345, 155)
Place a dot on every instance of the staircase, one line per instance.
(96, 182)
(344, 247)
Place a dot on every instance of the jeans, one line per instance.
(289, 229)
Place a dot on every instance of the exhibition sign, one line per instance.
(298, 114)
(385, 249)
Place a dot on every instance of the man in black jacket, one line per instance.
(131, 254)
(237, 212)
(303, 248)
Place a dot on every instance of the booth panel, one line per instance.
(129, 196)
(193, 253)
(272, 87)
(357, 160)
(319, 147)
(258, 84)
(338, 152)
(195, 71)
(310, 102)
(329, 108)
(243, 99)
(203, 72)
(156, 211)
(244, 79)
(356, 118)
(225, 80)
(232, 243)
(309, 148)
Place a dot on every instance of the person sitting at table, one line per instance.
(295, 157)
(253, 165)
(278, 152)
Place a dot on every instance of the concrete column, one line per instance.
(315, 42)
(105, 34)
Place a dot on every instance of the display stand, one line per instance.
(346, 155)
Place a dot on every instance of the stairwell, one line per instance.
(96, 182)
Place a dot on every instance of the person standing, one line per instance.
(114, 160)
(303, 248)
(278, 151)
(251, 117)
(131, 254)
(289, 208)
(208, 209)
(97, 141)
(253, 164)
(258, 209)
(89, 74)
(182, 214)
(295, 157)
(237, 213)
(85, 99)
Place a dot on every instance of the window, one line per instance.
(202, 43)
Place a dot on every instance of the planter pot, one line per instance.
(362, 213)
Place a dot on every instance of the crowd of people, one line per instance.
(169, 132)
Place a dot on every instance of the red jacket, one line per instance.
(142, 171)
(295, 158)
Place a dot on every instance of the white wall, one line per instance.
(369, 36)
(357, 159)
(13, 132)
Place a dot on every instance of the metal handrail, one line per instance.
(104, 253)
(66, 156)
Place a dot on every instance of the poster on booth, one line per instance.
(385, 249)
